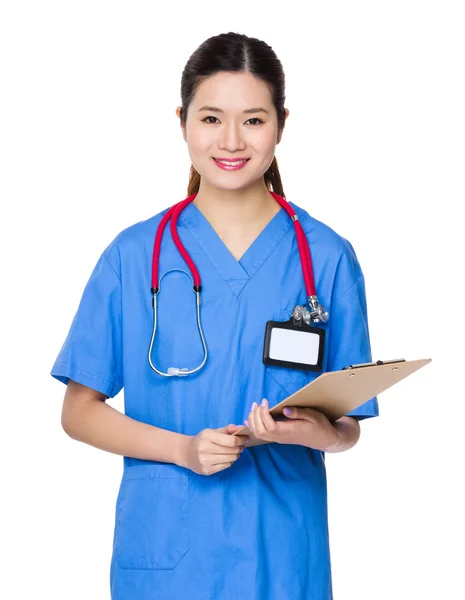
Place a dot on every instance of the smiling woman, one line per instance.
(200, 515)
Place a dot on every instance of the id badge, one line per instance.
(295, 346)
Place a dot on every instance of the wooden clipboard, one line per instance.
(336, 393)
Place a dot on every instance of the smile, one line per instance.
(231, 165)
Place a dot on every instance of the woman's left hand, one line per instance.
(304, 426)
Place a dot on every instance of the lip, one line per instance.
(231, 158)
(229, 167)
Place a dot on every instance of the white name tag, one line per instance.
(294, 346)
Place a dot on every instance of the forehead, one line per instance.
(232, 92)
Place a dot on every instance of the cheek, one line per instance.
(197, 149)
(199, 141)
(265, 148)
(199, 155)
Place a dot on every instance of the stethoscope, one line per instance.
(313, 313)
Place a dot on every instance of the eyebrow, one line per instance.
(247, 111)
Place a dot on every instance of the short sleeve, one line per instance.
(92, 351)
(349, 339)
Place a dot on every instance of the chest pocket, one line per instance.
(281, 382)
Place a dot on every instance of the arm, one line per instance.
(87, 418)
(349, 434)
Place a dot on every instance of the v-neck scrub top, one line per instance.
(257, 530)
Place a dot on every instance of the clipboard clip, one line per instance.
(374, 364)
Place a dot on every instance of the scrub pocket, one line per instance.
(281, 382)
(152, 521)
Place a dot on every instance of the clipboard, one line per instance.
(336, 393)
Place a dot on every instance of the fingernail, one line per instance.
(263, 402)
(247, 423)
(287, 411)
(247, 441)
(254, 406)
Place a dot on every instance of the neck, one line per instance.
(235, 209)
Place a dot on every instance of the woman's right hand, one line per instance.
(213, 450)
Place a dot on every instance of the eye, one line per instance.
(205, 120)
(252, 119)
(256, 119)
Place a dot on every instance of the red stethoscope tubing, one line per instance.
(173, 215)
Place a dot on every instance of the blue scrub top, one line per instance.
(257, 530)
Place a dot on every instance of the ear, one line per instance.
(280, 135)
(178, 114)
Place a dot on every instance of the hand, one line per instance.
(213, 450)
(304, 426)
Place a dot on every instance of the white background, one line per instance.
(374, 147)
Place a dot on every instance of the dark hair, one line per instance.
(237, 53)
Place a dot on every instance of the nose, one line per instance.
(231, 137)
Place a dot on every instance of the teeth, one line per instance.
(231, 164)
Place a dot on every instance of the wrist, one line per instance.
(180, 457)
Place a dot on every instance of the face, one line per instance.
(226, 131)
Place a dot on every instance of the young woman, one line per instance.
(201, 515)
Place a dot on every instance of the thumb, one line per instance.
(305, 414)
(229, 428)
(292, 413)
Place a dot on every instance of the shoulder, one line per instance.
(334, 246)
(131, 239)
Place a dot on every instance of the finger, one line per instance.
(229, 429)
(252, 419)
(234, 428)
(306, 414)
(225, 440)
(258, 420)
(219, 468)
(269, 423)
(225, 429)
(248, 422)
(220, 450)
(221, 459)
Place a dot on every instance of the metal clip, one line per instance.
(318, 311)
(315, 315)
(374, 364)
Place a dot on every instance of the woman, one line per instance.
(200, 515)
